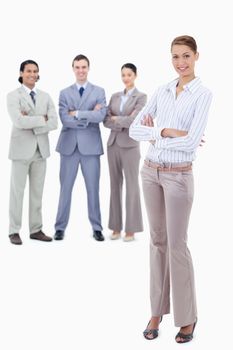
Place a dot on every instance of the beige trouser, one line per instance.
(35, 168)
(168, 198)
(124, 161)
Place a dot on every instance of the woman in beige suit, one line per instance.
(124, 156)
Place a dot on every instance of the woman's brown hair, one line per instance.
(185, 40)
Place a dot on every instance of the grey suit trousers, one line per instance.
(90, 166)
(168, 198)
(35, 168)
(125, 161)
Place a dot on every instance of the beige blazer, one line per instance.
(120, 128)
(31, 130)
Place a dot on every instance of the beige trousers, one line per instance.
(168, 198)
(35, 168)
(124, 161)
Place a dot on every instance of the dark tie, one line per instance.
(81, 90)
(32, 94)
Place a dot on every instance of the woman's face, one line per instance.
(183, 60)
(128, 77)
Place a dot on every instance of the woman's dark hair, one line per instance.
(79, 58)
(185, 40)
(130, 66)
(22, 67)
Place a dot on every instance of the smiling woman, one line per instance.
(181, 109)
(184, 57)
(124, 155)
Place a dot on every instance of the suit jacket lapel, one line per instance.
(39, 98)
(118, 102)
(75, 96)
(86, 93)
(26, 97)
(130, 101)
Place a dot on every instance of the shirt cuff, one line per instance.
(156, 133)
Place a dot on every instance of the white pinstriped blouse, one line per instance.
(189, 112)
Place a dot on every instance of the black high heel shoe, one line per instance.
(186, 337)
(151, 332)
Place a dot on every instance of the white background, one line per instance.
(79, 293)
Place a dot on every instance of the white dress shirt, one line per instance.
(188, 111)
(78, 87)
(29, 90)
(84, 85)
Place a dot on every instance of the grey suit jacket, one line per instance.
(84, 132)
(120, 127)
(31, 130)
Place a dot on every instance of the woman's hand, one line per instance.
(168, 132)
(148, 121)
(113, 118)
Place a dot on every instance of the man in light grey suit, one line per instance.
(33, 115)
(82, 106)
